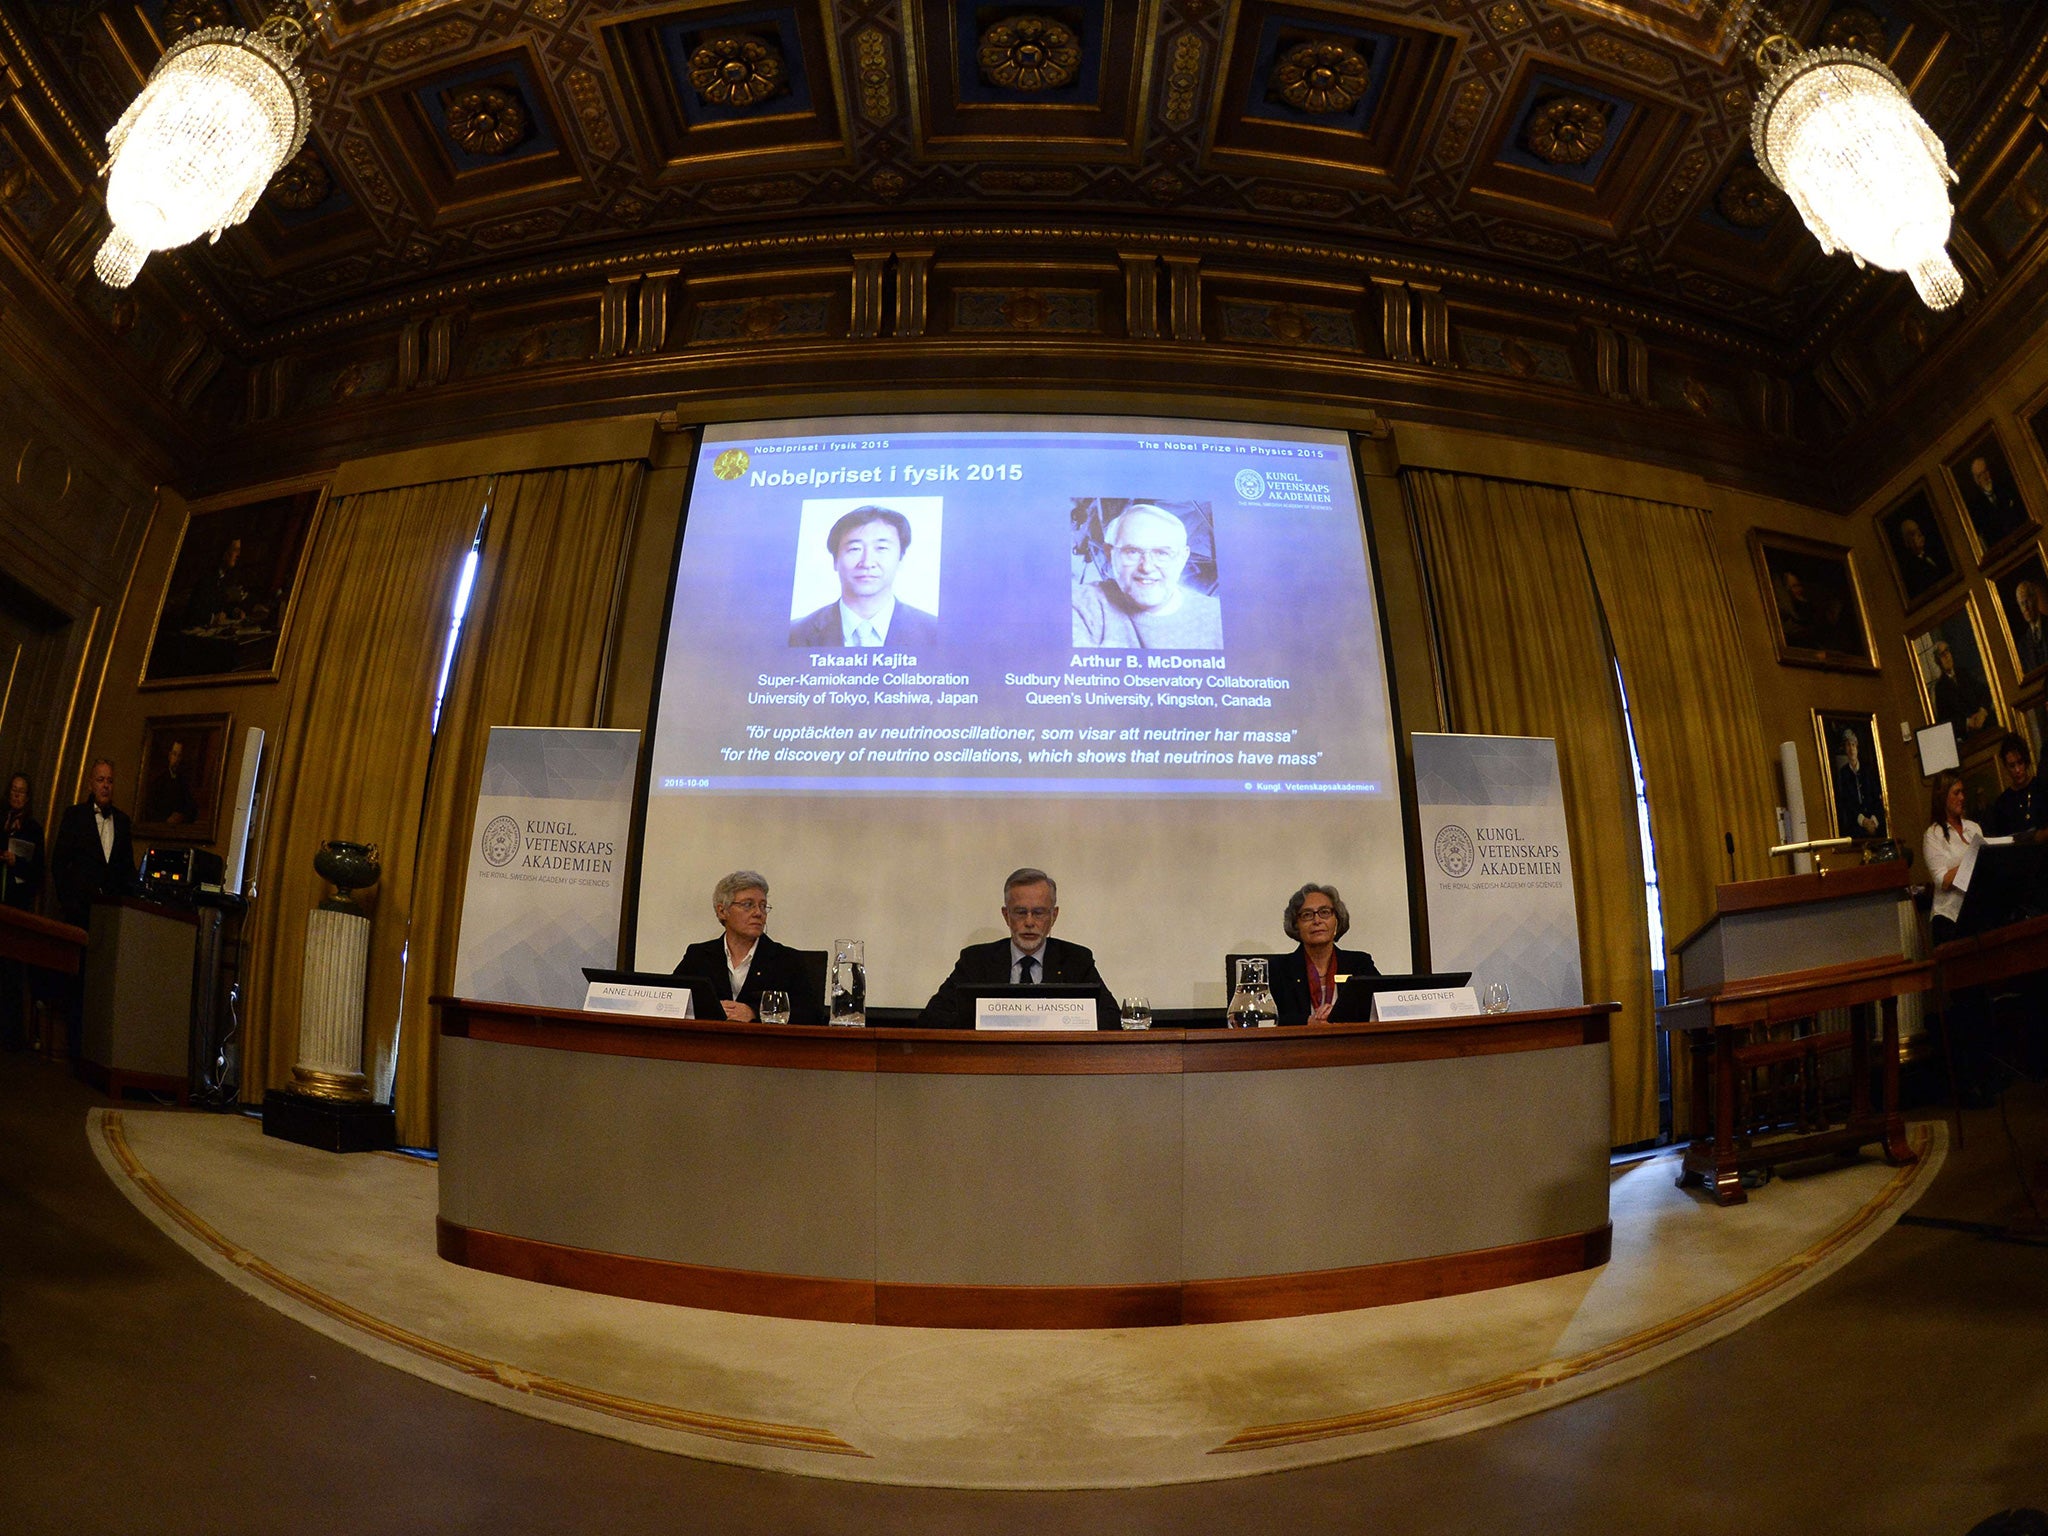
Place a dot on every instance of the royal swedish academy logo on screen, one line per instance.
(731, 464)
(1455, 853)
(501, 841)
(1251, 485)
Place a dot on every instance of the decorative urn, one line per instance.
(348, 867)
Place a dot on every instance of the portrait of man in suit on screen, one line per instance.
(867, 546)
(1145, 601)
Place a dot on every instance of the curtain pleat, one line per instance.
(532, 653)
(1525, 653)
(351, 761)
(1698, 729)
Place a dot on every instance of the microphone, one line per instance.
(1729, 839)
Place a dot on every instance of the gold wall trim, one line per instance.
(550, 447)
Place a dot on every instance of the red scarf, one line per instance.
(1322, 985)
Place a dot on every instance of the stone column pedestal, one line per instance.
(330, 1063)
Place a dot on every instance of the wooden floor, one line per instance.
(1907, 1394)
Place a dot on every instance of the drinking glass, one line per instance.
(848, 988)
(774, 1007)
(1495, 998)
(1137, 1013)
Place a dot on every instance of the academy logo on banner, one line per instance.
(1498, 877)
(546, 864)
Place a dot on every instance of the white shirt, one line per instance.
(1017, 962)
(1944, 853)
(106, 824)
(737, 970)
(866, 633)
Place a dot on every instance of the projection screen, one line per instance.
(907, 655)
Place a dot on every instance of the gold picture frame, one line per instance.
(2026, 641)
(1813, 602)
(241, 558)
(1995, 514)
(1917, 547)
(1846, 819)
(178, 777)
(1973, 690)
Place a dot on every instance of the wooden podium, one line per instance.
(1776, 952)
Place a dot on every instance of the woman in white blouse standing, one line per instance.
(1947, 840)
(1968, 1022)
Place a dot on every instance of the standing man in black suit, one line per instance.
(92, 855)
(1030, 955)
(868, 545)
(743, 962)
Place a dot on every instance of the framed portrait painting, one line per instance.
(1813, 602)
(1852, 785)
(2030, 719)
(1953, 668)
(1994, 512)
(2022, 589)
(177, 789)
(1917, 547)
(225, 612)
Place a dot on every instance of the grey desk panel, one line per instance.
(1296, 1171)
(986, 1180)
(763, 1168)
(1795, 938)
(138, 991)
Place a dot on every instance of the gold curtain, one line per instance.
(366, 645)
(533, 653)
(1698, 729)
(1525, 653)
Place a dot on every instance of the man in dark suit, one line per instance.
(743, 962)
(868, 545)
(1029, 956)
(92, 855)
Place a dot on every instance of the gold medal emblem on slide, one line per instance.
(731, 464)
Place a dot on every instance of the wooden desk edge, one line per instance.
(823, 1048)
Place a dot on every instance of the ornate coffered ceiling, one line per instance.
(1589, 147)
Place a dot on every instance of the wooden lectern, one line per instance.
(1776, 951)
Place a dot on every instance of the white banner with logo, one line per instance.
(1497, 866)
(547, 864)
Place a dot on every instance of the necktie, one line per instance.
(1024, 968)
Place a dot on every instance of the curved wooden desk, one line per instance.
(944, 1179)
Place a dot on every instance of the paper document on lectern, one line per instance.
(547, 864)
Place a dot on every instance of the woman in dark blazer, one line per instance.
(21, 883)
(740, 903)
(21, 875)
(1305, 982)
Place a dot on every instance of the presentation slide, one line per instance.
(902, 647)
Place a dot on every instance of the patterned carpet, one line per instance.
(346, 1246)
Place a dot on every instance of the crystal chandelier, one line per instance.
(222, 110)
(1836, 130)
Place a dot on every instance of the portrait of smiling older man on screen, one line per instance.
(867, 546)
(1142, 604)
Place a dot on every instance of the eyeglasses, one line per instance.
(1315, 914)
(1134, 552)
(1033, 914)
(750, 906)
